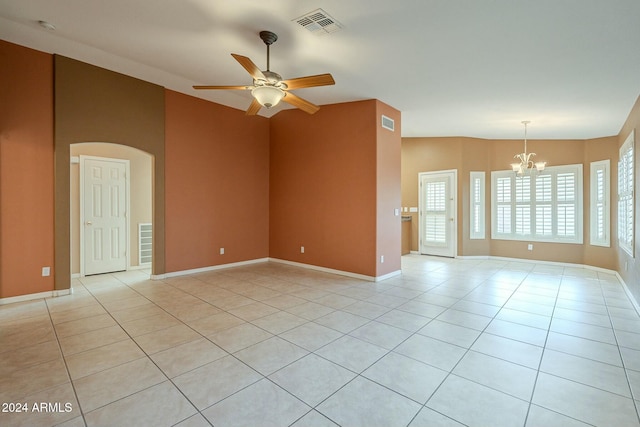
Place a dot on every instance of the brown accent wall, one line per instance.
(26, 168)
(388, 227)
(217, 184)
(472, 154)
(627, 266)
(97, 105)
(323, 187)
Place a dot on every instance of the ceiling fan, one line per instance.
(269, 88)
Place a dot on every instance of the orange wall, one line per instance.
(216, 183)
(388, 191)
(26, 170)
(323, 187)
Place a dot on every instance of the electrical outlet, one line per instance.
(530, 247)
(221, 251)
(46, 271)
(381, 259)
(301, 249)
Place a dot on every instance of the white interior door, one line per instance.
(103, 214)
(438, 223)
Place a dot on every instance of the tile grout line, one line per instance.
(626, 373)
(341, 289)
(73, 386)
(467, 350)
(144, 352)
(544, 347)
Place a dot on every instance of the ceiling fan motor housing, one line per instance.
(271, 79)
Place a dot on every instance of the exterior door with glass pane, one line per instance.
(438, 224)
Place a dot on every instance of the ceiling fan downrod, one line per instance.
(268, 38)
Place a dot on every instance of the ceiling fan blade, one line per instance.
(224, 87)
(253, 108)
(248, 65)
(302, 104)
(310, 81)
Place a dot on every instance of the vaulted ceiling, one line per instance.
(453, 67)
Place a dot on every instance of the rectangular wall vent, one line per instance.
(318, 22)
(145, 243)
(388, 123)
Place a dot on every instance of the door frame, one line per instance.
(127, 198)
(454, 207)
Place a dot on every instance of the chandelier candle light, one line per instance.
(526, 163)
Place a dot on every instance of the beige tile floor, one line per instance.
(449, 343)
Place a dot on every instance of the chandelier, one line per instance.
(526, 163)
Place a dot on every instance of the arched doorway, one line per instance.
(139, 202)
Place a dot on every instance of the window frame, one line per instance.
(596, 202)
(477, 205)
(512, 203)
(626, 195)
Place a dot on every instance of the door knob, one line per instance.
(89, 223)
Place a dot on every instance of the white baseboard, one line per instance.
(388, 275)
(281, 261)
(338, 272)
(205, 269)
(628, 292)
(323, 269)
(39, 295)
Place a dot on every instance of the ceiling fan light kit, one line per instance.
(267, 96)
(269, 88)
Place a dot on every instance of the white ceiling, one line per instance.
(453, 67)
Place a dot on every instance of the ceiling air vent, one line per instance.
(319, 22)
(387, 123)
